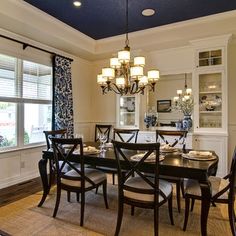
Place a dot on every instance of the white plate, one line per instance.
(151, 158)
(198, 157)
(169, 150)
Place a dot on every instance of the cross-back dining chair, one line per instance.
(222, 191)
(79, 180)
(173, 138)
(102, 129)
(62, 133)
(140, 191)
(126, 135)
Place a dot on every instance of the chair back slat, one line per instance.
(126, 135)
(63, 151)
(62, 133)
(179, 137)
(102, 129)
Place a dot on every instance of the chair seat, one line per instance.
(107, 169)
(192, 187)
(95, 175)
(139, 184)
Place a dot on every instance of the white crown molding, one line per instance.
(24, 19)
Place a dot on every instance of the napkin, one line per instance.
(200, 153)
(90, 149)
(87, 150)
(150, 158)
(165, 146)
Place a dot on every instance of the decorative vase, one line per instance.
(187, 122)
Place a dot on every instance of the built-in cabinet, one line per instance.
(210, 96)
(217, 143)
(127, 111)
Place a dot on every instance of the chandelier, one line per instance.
(129, 75)
(184, 101)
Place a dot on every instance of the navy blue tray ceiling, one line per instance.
(105, 18)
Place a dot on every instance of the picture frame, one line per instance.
(163, 106)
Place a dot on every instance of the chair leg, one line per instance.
(96, 189)
(178, 196)
(77, 196)
(82, 208)
(113, 178)
(57, 201)
(187, 201)
(170, 208)
(68, 196)
(156, 220)
(104, 186)
(119, 217)
(132, 210)
(231, 217)
(192, 204)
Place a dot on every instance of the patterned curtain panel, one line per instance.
(62, 117)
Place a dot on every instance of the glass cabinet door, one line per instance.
(210, 58)
(210, 100)
(127, 111)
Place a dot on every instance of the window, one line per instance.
(25, 102)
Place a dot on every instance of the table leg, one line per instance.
(42, 165)
(206, 196)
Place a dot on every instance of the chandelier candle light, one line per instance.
(129, 76)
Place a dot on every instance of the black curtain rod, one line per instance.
(25, 45)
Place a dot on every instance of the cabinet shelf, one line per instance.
(210, 112)
(211, 92)
(127, 112)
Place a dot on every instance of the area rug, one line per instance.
(103, 221)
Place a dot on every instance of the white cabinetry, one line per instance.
(127, 112)
(210, 97)
(217, 143)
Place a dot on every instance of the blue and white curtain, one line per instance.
(62, 111)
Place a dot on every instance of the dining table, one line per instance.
(174, 164)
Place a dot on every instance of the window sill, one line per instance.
(15, 149)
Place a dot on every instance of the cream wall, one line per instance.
(231, 97)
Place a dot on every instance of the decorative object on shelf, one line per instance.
(150, 118)
(210, 102)
(129, 74)
(184, 103)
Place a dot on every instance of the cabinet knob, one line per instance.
(195, 139)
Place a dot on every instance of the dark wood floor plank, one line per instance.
(19, 191)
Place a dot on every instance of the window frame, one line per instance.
(20, 101)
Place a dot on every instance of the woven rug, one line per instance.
(103, 221)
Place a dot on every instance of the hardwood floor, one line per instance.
(19, 191)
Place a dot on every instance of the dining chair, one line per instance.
(102, 129)
(179, 139)
(140, 191)
(79, 180)
(61, 133)
(126, 135)
(105, 129)
(222, 191)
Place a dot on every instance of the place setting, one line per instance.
(199, 155)
(150, 158)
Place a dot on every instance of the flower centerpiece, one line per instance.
(185, 105)
(150, 119)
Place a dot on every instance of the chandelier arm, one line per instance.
(117, 90)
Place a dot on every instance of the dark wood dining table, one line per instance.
(172, 165)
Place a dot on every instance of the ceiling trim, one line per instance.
(26, 20)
